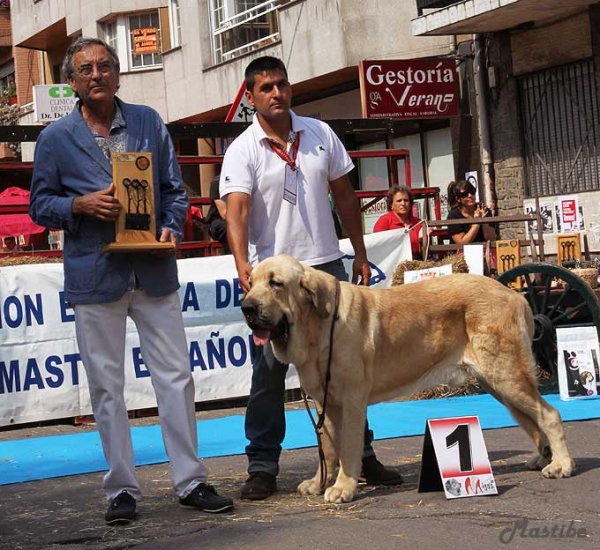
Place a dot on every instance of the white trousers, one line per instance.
(100, 332)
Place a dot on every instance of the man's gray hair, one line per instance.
(80, 44)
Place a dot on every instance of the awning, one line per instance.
(14, 225)
(489, 16)
(15, 195)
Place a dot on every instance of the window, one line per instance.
(137, 40)
(239, 26)
(110, 34)
(8, 91)
(7, 79)
(560, 121)
(374, 171)
(175, 19)
(413, 144)
(144, 40)
(439, 162)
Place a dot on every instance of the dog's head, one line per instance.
(284, 298)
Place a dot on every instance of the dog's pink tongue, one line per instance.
(260, 337)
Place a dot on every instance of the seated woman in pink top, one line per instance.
(399, 203)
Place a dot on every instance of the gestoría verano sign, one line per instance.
(413, 88)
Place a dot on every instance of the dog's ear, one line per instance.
(319, 292)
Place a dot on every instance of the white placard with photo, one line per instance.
(569, 214)
(578, 367)
(428, 273)
(548, 216)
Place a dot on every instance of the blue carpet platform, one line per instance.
(63, 455)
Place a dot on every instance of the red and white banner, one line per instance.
(414, 88)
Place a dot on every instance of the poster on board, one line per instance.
(569, 214)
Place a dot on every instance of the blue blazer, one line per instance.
(68, 163)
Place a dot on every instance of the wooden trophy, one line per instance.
(568, 249)
(134, 188)
(508, 255)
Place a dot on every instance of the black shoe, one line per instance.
(375, 473)
(205, 498)
(121, 509)
(259, 486)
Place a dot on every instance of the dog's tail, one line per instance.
(525, 317)
(525, 321)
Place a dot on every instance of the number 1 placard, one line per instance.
(455, 459)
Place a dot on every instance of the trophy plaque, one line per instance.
(134, 188)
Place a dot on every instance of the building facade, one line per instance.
(186, 59)
(540, 86)
(528, 123)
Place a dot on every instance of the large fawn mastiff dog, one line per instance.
(397, 341)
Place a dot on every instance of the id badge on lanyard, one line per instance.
(290, 183)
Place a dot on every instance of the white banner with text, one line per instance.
(41, 373)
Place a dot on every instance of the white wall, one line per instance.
(147, 89)
(29, 19)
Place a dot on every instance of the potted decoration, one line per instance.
(9, 116)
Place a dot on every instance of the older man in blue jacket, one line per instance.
(72, 189)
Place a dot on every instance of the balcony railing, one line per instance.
(246, 31)
(434, 5)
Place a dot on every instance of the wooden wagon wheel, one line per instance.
(557, 297)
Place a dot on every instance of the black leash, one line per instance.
(319, 425)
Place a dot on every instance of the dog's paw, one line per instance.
(538, 462)
(558, 469)
(310, 487)
(337, 495)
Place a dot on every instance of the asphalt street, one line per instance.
(528, 512)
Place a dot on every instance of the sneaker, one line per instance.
(375, 473)
(259, 486)
(121, 509)
(205, 498)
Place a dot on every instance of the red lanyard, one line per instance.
(282, 153)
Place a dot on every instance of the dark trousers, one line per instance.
(265, 413)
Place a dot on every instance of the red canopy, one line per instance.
(13, 225)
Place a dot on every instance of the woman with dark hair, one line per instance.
(399, 204)
(461, 197)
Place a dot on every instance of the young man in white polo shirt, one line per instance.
(276, 179)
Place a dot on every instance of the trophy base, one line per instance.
(138, 247)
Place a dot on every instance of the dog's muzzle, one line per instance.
(264, 328)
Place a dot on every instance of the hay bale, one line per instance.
(24, 259)
(589, 275)
(459, 265)
(470, 387)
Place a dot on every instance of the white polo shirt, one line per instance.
(305, 230)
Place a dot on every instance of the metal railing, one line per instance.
(248, 15)
(246, 30)
(434, 4)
